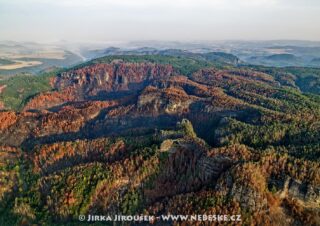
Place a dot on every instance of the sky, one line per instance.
(167, 20)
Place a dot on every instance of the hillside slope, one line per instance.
(158, 135)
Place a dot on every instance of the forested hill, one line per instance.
(161, 134)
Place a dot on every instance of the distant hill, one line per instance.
(223, 57)
(218, 57)
(315, 61)
(283, 57)
(278, 60)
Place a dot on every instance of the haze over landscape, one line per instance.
(183, 20)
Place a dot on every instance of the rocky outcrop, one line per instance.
(112, 77)
(246, 185)
(172, 100)
(297, 189)
(187, 166)
(212, 168)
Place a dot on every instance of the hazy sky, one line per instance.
(185, 20)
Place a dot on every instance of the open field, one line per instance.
(32, 58)
(20, 64)
(276, 50)
(55, 54)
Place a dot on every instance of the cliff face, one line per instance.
(99, 81)
(138, 138)
(112, 77)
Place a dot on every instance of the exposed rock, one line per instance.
(302, 191)
(246, 185)
(212, 168)
(112, 77)
(166, 145)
